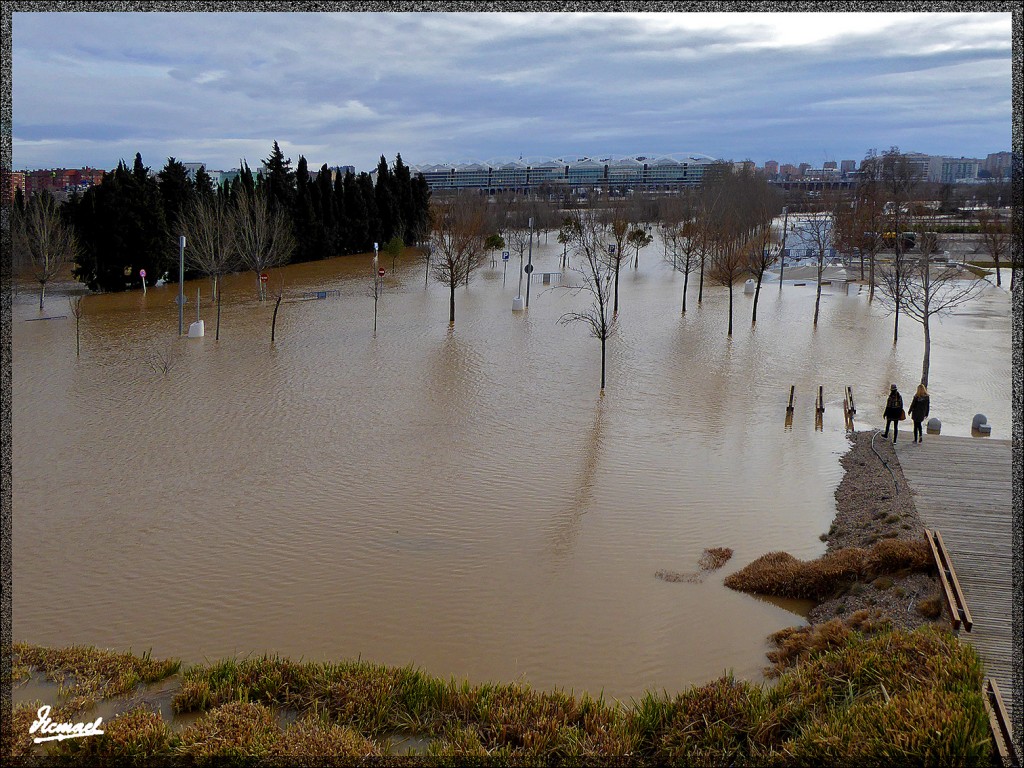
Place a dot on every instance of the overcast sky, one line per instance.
(345, 88)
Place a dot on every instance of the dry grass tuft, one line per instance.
(931, 607)
(796, 643)
(675, 576)
(312, 738)
(781, 574)
(714, 558)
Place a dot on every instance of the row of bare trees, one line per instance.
(224, 237)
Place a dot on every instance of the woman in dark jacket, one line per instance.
(919, 410)
(893, 412)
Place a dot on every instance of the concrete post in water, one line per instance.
(529, 264)
(934, 426)
(181, 284)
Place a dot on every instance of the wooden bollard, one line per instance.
(792, 392)
(820, 407)
(849, 397)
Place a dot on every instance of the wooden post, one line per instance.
(792, 392)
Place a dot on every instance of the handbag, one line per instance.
(903, 415)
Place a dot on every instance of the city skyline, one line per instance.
(346, 88)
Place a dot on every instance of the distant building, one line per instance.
(61, 182)
(954, 169)
(847, 166)
(803, 168)
(789, 171)
(13, 181)
(744, 165)
(771, 167)
(582, 174)
(830, 165)
(999, 164)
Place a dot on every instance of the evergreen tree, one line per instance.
(403, 192)
(340, 215)
(301, 214)
(328, 218)
(123, 230)
(387, 203)
(279, 179)
(419, 224)
(177, 192)
(204, 185)
(357, 222)
(365, 184)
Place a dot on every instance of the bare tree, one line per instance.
(43, 240)
(209, 225)
(995, 237)
(816, 229)
(457, 242)
(681, 244)
(924, 295)
(597, 271)
(728, 263)
(263, 236)
(763, 251)
(163, 359)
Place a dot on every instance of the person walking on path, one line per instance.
(893, 412)
(919, 410)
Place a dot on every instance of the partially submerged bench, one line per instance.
(950, 584)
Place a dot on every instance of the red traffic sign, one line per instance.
(264, 276)
(142, 273)
(381, 271)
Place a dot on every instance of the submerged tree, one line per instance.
(457, 242)
(995, 238)
(263, 236)
(597, 270)
(210, 228)
(44, 242)
(924, 295)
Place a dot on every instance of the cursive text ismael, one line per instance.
(61, 731)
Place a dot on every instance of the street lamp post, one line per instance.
(529, 266)
(782, 252)
(181, 285)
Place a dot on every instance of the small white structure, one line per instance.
(749, 286)
(197, 330)
(978, 420)
(518, 304)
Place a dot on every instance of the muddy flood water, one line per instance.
(464, 501)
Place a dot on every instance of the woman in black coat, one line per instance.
(919, 411)
(893, 412)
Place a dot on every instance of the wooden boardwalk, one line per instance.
(963, 487)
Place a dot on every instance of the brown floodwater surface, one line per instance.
(463, 500)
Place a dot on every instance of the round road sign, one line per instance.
(381, 271)
(528, 269)
(142, 273)
(264, 276)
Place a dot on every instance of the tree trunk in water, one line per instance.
(273, 324)
(817, 299)
(217, 336)
(700, 287)
(871, 276)
(451, 306)
(927, 351)
(686, 279)
(615, 309)
(42, 290)
(730, 309)
(861, 264)
(757, 293)
(78, 337)
(602, 362)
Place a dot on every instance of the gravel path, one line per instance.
(870, 506)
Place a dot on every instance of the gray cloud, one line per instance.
(346, 88)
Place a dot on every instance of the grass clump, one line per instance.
(87, 674)
(714, 558)
(137, 737)
(782, 575)
(847, 692)
(930, 607)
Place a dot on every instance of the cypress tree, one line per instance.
(365, 184)
(356, 217)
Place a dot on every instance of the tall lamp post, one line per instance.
(181, 285)
(529, 266)
(782, 252)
